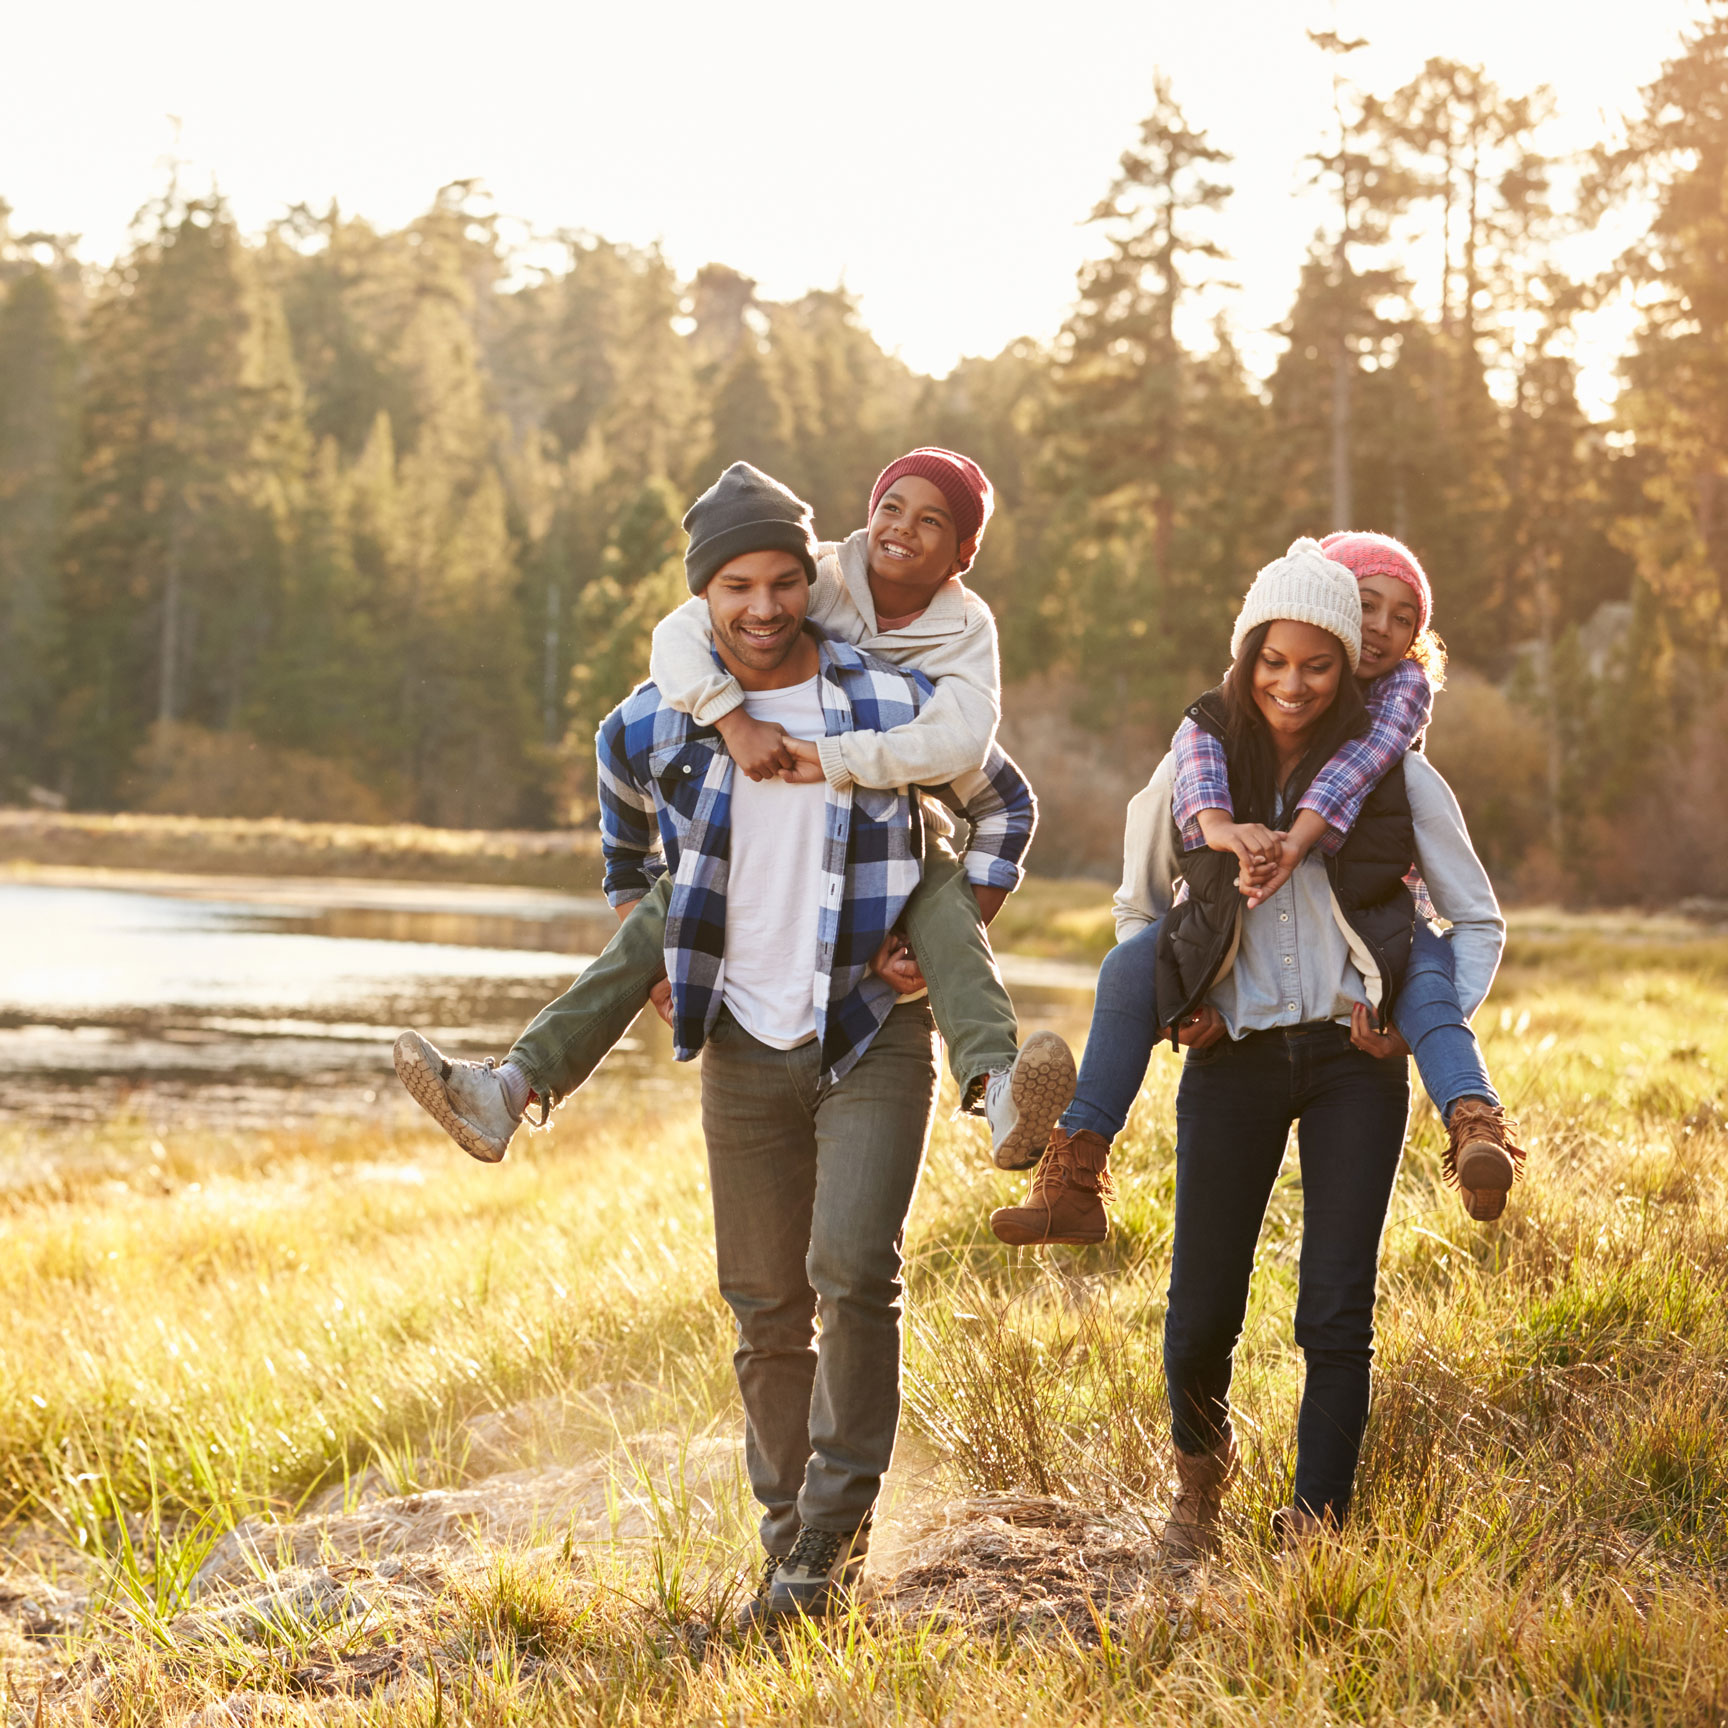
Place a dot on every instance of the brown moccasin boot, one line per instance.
(1069, 1189)
(1191, 1530)
(1295, 1528)
(1482, 1162)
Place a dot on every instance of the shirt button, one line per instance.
(1283, 917)
(1289, 1007)
(687, 768)
(1287, 960)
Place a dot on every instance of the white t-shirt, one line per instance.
(774, 887)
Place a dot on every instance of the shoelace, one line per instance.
(816, 1550)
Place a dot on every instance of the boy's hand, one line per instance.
(757, 746)
(894, 962)
(990, 901)
(661, 997)
(1365, 1037)
(809, 770)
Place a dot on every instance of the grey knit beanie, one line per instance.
(1304, 585)
(746, 510)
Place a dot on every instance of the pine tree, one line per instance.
(37, 455)
(192, 447)
(1676, 402)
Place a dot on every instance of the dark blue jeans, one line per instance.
(1428, 1014)
(1233, 1114)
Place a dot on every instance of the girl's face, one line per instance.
(1389, 617)
(1296, 675)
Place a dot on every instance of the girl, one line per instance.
(1402, 663)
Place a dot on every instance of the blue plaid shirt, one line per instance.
(666, 804)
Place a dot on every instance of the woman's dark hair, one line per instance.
(1248, 741)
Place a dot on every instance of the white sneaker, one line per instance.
(465, 1099)
(1023, 1103)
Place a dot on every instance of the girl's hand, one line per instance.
(1364, 1036)
(809, 759)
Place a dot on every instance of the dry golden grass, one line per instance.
(317, 1324)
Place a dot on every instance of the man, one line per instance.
(817, 1079)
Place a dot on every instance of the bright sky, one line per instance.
(940, 160)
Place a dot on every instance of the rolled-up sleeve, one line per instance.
(997, 802)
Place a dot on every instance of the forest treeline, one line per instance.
(335, 521)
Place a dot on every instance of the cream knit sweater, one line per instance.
(952, 642)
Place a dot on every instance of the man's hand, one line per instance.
(809, 770)
(1201, 1030)
(894, 962)
(759, 747)
(1364, 1036)
(990, 901)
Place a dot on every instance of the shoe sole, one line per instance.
(1042, 1088)
(421, 1070)
(1049, 1241)
(1485, 1176)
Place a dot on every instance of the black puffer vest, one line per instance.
(1198, 938)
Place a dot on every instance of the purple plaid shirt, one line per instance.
(1400, 703)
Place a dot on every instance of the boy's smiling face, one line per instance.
(914, 544)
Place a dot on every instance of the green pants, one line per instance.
(568, 1038)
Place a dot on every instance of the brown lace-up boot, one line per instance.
(1069, 1189)
(1191, 1530)
(1482, 1162)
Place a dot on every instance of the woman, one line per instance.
(1279, 1005)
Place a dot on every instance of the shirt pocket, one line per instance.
(679, 770)
(875, 805)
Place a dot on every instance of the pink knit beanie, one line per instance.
(963, 484)
(1381, 555)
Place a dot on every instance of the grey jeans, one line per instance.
(812, 1184)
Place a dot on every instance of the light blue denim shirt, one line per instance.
(1293, 963)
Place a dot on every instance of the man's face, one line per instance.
(912, 535)
(757, 602)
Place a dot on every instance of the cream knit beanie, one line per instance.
(1304, 585)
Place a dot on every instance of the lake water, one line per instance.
(263, 1001)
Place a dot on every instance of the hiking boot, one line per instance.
(1295, 1529)
(820, 1576)
(1191, 1530)
(1069, 1189)
(465, 1099)
(755, 1614)
(1023, 1101)
(1482, 1163)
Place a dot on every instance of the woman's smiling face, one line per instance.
(1296, 675)
(1390, 614)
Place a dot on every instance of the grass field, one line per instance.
(342, 1427)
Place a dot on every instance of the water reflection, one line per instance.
(246, 999)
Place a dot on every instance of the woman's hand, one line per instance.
(1364, 1036)
(1200, 1030)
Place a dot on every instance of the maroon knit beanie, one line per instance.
(962, 483)
(1381, 555)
